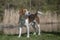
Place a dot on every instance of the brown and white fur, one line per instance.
(30, 20)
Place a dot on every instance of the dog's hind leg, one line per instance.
(39, 29)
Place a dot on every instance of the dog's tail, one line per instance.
(39, 13)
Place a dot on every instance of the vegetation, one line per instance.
(37, 4)
(42, 5)
(43, 36)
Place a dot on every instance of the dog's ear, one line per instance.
(21, 11)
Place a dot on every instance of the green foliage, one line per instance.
(35, 4)
(43, 5)
(43, 36)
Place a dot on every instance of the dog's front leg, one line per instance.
(27, 25)
(20, 30)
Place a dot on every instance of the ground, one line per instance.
(43, 36)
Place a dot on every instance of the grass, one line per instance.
(43, 36)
